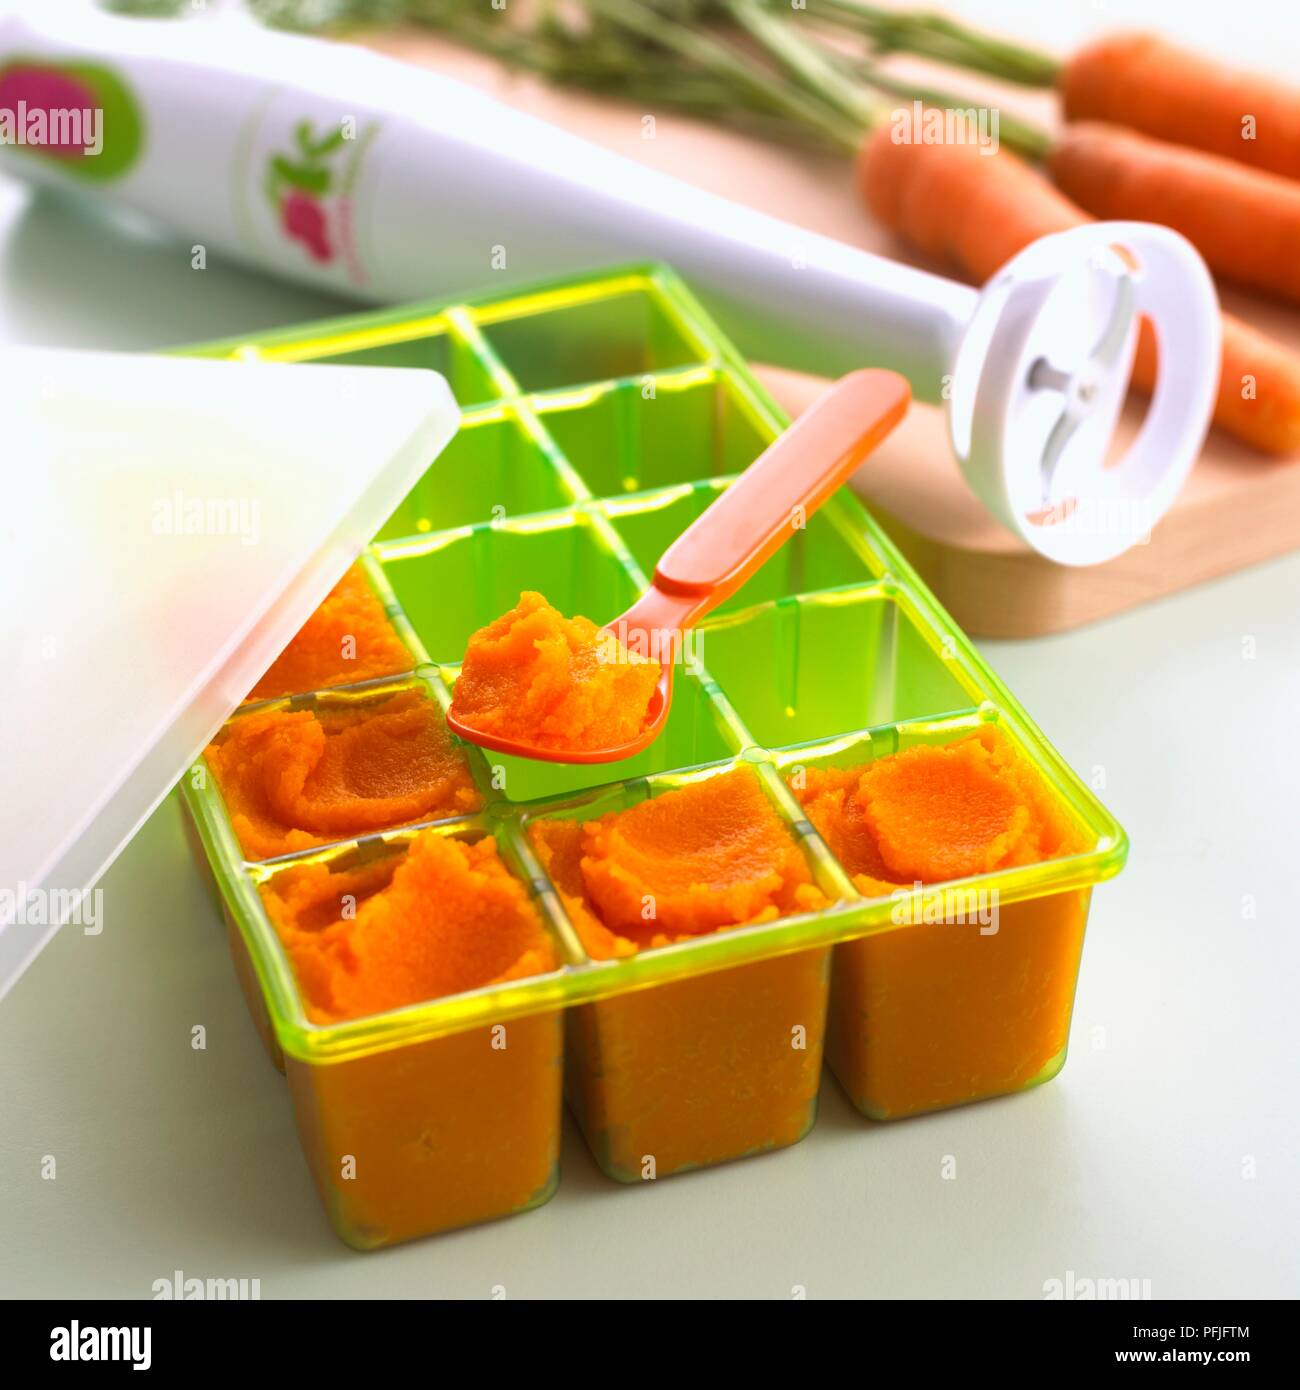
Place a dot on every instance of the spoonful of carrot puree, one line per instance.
(536, 684)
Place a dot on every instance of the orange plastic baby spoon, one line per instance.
(714, 556)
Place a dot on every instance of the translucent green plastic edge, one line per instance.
(580, 979)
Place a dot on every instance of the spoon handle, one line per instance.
(780, 490)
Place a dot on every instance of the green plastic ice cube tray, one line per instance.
(601, 416)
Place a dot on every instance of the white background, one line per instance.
(1182, 1077)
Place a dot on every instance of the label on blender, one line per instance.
(300, 170)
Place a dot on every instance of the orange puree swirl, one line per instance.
(933, 813)
(711, 854)
(449, 917)
(295, 779)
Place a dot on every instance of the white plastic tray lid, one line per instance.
(168, 525)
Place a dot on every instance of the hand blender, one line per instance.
(361, 175)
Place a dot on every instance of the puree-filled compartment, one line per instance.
(714, 1066)
(931, 813)
(293, 779)
(962, 997)
(349, 638)
(440, 1132)
(711, 854)
(444, 917)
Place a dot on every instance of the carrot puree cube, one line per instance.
(445, 1132)
(435, 1135)
(552, 682)
(295, 779)
(932, 1015)
(709, 1068)
(935, 1013)
(348, 638)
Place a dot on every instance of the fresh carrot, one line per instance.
(976, 210)
(952, 201)
(1245, 222)
(1259, 386)
(1146, 83)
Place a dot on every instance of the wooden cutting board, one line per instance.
(1237, 509)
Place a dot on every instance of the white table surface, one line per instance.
(1167, 1150)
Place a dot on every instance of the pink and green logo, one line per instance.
(299, 186)
(80, 115)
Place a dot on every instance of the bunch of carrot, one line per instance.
(1152, 133)
(1235, 198)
